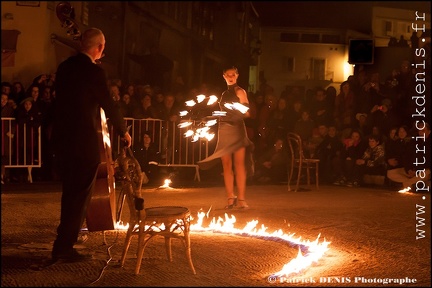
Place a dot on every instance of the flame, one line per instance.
(309, 252)
(212, 99)
(237, 106)
(312, 251)
(405, 190)
(190, 103)
(185, 124)
(200, 98)
(166, 184)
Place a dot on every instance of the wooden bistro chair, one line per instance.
(145, 223)
(299, 163)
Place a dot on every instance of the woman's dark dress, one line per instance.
(232, 134)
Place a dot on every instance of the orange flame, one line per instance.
(313, 250)
(309, 252)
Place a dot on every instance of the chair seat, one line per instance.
(166, 212)
(165, 221)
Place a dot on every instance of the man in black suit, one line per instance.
(81, 90)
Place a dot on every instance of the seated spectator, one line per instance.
(395, 147)
(313, 142)
(371, 163)
(147, 155)
(353, 149)
(271, 166)
(412, 176)
(329, 153)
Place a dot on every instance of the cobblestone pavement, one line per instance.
(372, 234)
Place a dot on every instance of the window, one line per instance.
(331, 39)
(288, 64)
(318, 69)
(289, 37)
(310, 38)
(388, 28)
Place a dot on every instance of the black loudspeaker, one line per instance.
(361, 51)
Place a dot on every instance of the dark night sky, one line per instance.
(355, 15)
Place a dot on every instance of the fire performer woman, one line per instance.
(233, 146)
(81, 90)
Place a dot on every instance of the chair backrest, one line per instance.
(295, 145)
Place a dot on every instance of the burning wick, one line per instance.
(166, 184)
(404, 190)
(237, 106)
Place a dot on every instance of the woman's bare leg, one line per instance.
(240, 175)
(228, 177)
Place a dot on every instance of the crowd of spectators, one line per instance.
(362, 129)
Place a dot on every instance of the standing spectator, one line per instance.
(321, 110)
(294, 114)
(18, 92)
(170, 114)
(383, 117)
(304, 126)
(344, 107)
(402, 42)
(277, 122)
(29, 120)
(145, 110)
(414, 40)
(263, 118)
(126, 105)
(7, 135)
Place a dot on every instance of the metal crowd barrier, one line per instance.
(20, 146)
(175, 150)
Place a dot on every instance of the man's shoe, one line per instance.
(70, 256)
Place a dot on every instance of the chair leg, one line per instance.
(298, 177)
(127, 243)
(188, 249)
(316, 176)
(141, 246)
(168, 248)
